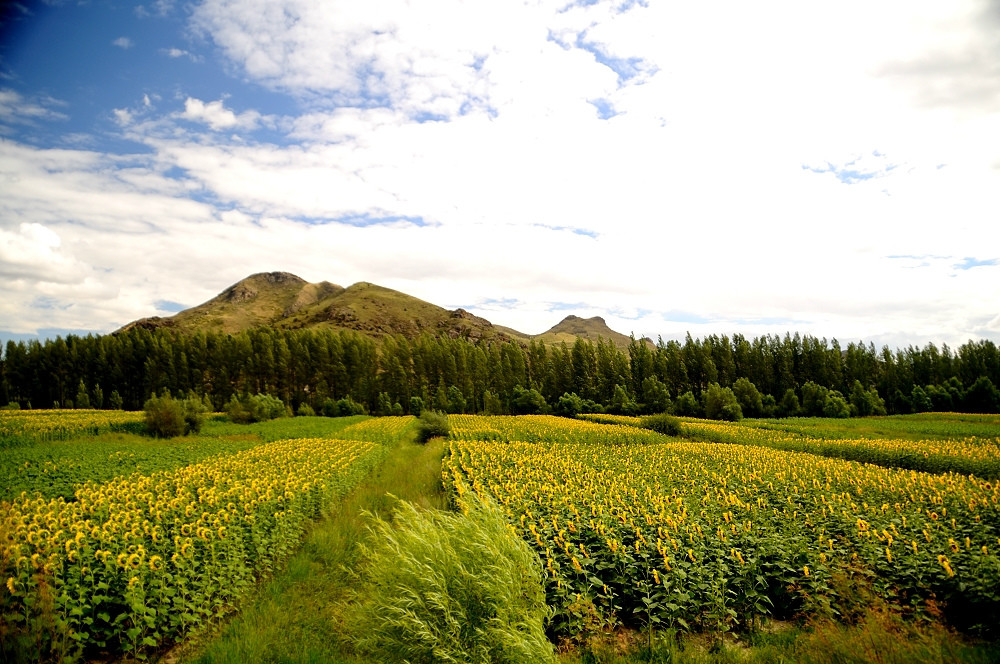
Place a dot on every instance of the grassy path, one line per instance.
(295, 616)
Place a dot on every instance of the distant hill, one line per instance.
(590, 329)
(284, 301)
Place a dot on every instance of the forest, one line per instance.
(339, 372)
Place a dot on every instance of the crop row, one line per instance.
(57, 468)
(977, 455)
(706, 535)
(971, 455)
(19, 427)
(130, 563)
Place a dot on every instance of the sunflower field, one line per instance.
(134, 561)
(636, 529)
(22, 427)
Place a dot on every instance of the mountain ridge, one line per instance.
(285, 301)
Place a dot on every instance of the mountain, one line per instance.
(590, 329)
(285, 301)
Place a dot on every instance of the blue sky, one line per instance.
(669, 166)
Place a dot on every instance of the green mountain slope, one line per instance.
(285, 301)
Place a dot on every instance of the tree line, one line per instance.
(333, 372)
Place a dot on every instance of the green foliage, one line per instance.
(167, 417)
(749, 397)
(13, 405)
(347, 406)
(431, 424)
(456, 400)
(721, 404)
(813, 399)
(687, 405)
(655, 396)
(491, 404)
(305, 410)
(865, 402)
(528, 402)
(383, 405)
(416, 405)
(319, 364)
(982, 397)
(452, 588)
(254, 408)
(835, 405)
(668, 425)
(622, 403)
(569, 405)
(82, 398)
(789, 404)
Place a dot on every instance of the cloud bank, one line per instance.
(672, 167)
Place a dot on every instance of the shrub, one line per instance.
(568, 405)
(687, 405)
(305, 410)
(430, 424)
(836, 405)
(348, 406)
(164, 416)
(167, 417)
(256, 408)
(668, 425)
(721, 404)
(528, 402)
(13, 405)
(450, 587)
(194, 413)
(416, 405)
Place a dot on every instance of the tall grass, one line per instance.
(444, 587)
(301, 614)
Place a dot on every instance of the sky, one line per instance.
(830, 169)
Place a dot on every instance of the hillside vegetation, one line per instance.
(284, 301)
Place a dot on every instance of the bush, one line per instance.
(836, 405)
(668, 425)
(416, 405)
(194, 413)
(528, 402)
(305, 410)
(347, 406)
(13, 405)
(256, 408)
(430, 424)
(568, 405)
(450, 587)
(166, 417)
(687, 405)
(721, 404)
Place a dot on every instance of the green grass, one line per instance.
(880, 637)
(922, 426)
(55, 468)
(299, 614)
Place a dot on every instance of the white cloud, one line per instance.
(15, 108)
(770, 167)
(217, 116)
(175, 53)
(124, 43)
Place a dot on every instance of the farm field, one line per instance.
(638, 530)
(158, 537)
(943, 442)
(118, 545)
